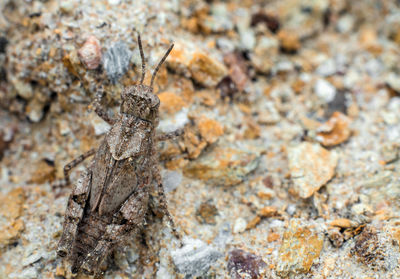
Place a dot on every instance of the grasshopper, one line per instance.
(110, 202)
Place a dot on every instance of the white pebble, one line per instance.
(240, 225)
(324, 90)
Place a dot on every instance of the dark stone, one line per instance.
(206, 212)
(271, 22)
(3, 44)
(242, 264)
(337, 104)
(227, 88)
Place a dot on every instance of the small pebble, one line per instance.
(327, 68)
(223, 166)
(289, 41)
(240, 225)
(90, 53)
(34, 110)
(325, 90)
(335, 131)
(345, 24)
(207, 212)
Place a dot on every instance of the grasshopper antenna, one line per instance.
(159, 65)
(143, 61)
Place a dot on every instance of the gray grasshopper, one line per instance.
(110, 201)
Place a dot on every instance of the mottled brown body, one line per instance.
(110, 201)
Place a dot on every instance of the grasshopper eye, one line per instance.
(155, 101)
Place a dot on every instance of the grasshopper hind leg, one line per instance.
(75, 209)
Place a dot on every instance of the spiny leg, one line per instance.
(73, 215)
(68, 167)
(163, 204)
(170, 135)
(98, 107)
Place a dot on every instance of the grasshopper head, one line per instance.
(139, 101)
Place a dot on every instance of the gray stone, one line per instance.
(247, 38)
(345, 24)
(27, 273)
(32, 258)
(171, 180)
(224, 236)
(116, 61)
(327, 68)
(194, 258)
(177, 121)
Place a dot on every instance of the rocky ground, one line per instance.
(289, 166)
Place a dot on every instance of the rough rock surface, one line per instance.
(311, 166)
(293, 104)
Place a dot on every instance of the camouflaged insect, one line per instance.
(109, 203)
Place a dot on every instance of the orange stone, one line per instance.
(170, 102)
(223, 166)
(301, 245)
(206, 70)
(11, 208)
(43, 173)
(311, 166)
(289, 41)
(268, 211)
(273, 237)
(396, 235)
(253, 223)
(335, 131)
(192, 144)
(265, 195)
(210, 129)
(176, 164)
(368, 35)
(253, 130)
(342, 223)
(179, 59)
